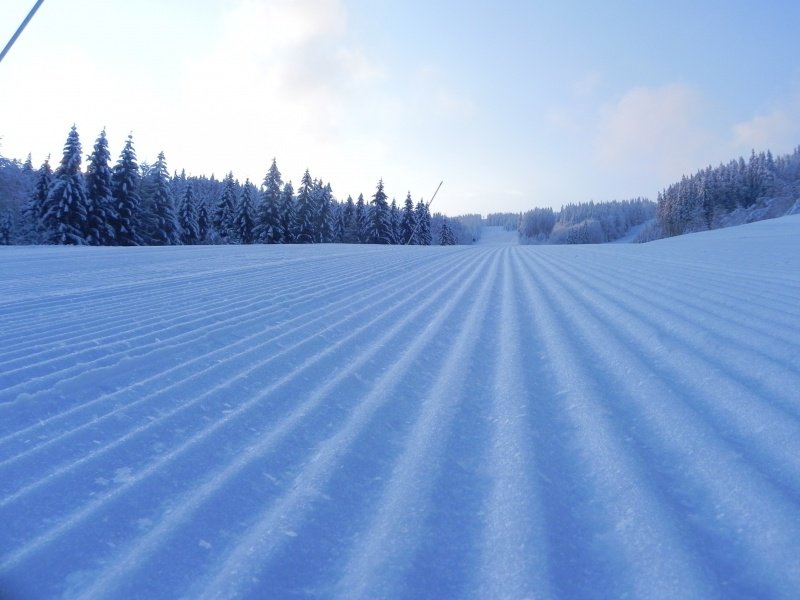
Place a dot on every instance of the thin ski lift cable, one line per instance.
(427, 205)
(20, 28)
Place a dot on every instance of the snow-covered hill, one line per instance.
(403, 422)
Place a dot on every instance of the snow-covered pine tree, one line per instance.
(125, 193)
(6, 228)
(304, 227)
(100, 217)
(350, 228)
(394, 222)
(226, 209)
(423, 217)
(66, 205)
(338, 221)
(362, 221)
(244, 223)
(177, 186)
(408, 222)
(36, 206)
(380, 225)
(166, 230)
(288, 209)
(202, 222)
(323, 196)
(446, 237)
(187, 216)
(269, 229)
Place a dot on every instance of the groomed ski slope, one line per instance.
(402, 422)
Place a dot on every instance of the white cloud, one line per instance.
(778, 131)
(278, 82)
(263, 27)
(656, 130)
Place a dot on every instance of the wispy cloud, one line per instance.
(778, 130)
(659, 130)
(280, 78)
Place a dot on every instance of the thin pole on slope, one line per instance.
(20, 28)
(434, 194)
(427, 205)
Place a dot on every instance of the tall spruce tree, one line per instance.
(100, 218)
(394, 222)
(288, 205)
(202, 222)
(362, 221)
(226, 209)
(423, 224)
(166, 230)
(446, 237)
(244, 223)
(323, 197)
(350, 230)
(6, 228)
(187, 216)
(408, 223)
(65, 215)
(37, 205)
(125, 193)
(269, 228)
(337, 210)
(305, 230)
(380, 224)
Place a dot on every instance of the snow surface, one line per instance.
(401, 422)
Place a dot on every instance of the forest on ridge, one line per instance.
(132, 203)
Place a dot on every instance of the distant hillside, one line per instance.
(739, 192)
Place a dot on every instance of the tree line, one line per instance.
(740, 191)
(577, 223)
(132, 204)
(707, 198)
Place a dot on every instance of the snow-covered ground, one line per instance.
(493, 421)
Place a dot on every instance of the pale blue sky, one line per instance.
(513, 104)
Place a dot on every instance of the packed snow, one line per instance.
(496, 421)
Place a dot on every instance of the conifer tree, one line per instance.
(380, 225)
(100, 218)
(244, 223)
(446, 237)
(65, 217)
(288, 213)
(423, 216)
(226, 209)
(36, 206)
(187, 217)
(269, 228)
(305, 216)
(202, 222)
(362, 221)
(6, 228)
(338, 222)
(349, 227)
(394, 222)
(323, 197)
(177, 186)
(125, 193)
(408, 222)
(166, 230)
